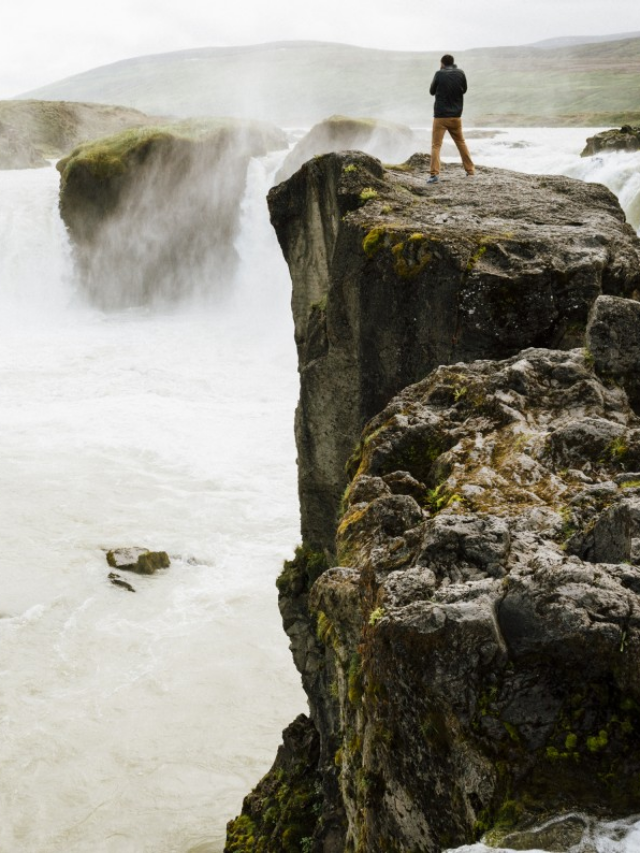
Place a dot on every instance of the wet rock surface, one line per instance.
(626, 138)
(392, 278)
(142, 561)
(116, 580)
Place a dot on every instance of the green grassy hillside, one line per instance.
(299, 83)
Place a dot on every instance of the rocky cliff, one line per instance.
(392, 278)
(153, 212)
(467, 632)
(33, 131)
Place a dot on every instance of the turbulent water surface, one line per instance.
(136, 723)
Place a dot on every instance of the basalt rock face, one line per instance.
(468, 641)
(470, 661)
(626, 138)
(153, 213)
(482, 623)
(392, 278)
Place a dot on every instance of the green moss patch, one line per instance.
(299, 574)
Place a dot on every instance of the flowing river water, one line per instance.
(136, 723)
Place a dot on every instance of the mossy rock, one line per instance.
(138, 560)
(282, 814)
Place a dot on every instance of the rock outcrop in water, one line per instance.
(469, 651)
(142, 561)
(392, 278)
(627, 138)
(31, 132)
(153, 213)
(386, 140)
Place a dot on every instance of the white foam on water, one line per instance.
(138, 722)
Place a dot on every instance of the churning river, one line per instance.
(136, 723)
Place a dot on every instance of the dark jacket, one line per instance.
(449, 85)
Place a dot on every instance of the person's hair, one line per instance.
(447, 59)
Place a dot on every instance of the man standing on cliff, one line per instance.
(449, 85)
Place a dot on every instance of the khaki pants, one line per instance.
(454, 126)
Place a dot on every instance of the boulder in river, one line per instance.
(626, 138)
(142, 561)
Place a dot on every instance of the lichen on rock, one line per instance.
(497, 680)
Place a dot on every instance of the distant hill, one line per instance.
(566, 41)
(299, 83)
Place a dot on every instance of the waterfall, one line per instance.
(138, 722)
(133, 722)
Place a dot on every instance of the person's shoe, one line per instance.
(433, 179)
(471, 174)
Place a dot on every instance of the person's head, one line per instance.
(447, 60)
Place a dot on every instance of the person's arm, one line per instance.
(434, 84)
(464, 83)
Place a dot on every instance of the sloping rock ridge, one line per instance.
(153, 212)
(31, 132)
(392, 278)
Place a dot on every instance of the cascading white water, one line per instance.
(134, 723)
(556, 152)
(138, 722)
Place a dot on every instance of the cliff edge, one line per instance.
(466, 619)
(392, 278)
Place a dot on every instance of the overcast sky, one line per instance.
(42, 41)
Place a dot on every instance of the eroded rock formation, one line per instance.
(386, 140)
(469, 651)
(471, 661)
(153, 212)
(392, 278)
